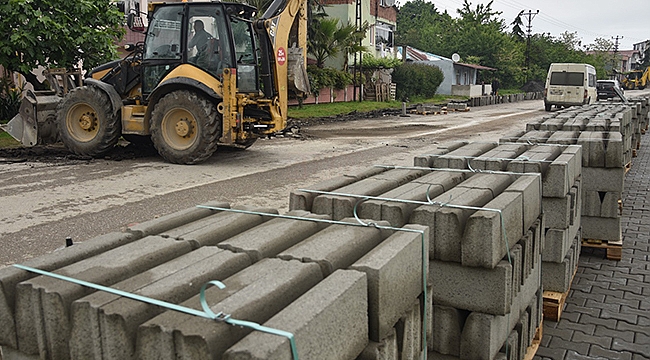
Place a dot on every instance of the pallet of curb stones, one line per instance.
(429, 112)
(537, 340)
(454, 109)
(614, 248)
(554, 302)
(423, 109)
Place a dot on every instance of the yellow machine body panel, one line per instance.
(192, 72)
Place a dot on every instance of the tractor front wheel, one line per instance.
(185, 127)
(87, 124)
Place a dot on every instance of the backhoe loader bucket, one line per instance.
(36, 119)
(297, 72)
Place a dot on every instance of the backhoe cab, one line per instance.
(207, 74)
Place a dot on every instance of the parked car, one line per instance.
(606, 89)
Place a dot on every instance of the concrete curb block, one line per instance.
(10, 276)
(335, 309)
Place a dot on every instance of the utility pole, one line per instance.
(530, 15)
(357, 74)
(615, 59)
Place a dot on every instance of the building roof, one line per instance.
(414, 54)
(477, 67)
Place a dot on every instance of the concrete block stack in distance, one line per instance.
(559, 167)
(484, 256)
(609, 135)
(339, 289)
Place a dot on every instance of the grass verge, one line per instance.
(6, 141)
(337, 108)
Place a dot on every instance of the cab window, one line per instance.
(164, 34)
(245, 55)
(208, 45)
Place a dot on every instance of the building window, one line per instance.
(383, 36)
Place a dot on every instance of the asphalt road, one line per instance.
(43, 201)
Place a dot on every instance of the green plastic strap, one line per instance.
(228, 319)
(207, 313)
(425, 256)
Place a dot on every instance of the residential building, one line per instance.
(626, 60)
(459, 78)
(132, 37)
(640, 49)
(381, 15)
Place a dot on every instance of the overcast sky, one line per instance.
(590, 18)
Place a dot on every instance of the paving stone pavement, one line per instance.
(607, 312)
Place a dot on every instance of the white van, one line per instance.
(569, 84)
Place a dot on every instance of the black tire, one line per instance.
(185, 127)
(87, 124)
(547, 107)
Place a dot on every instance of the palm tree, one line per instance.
(350, 41)
(323, 43)
(329, 39)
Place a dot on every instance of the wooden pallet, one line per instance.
(532, 349)
(456, 110)
(614, 248)
(553, 303)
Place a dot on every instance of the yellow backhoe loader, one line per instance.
(636, 79)
(207, 74)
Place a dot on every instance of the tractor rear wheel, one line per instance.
(87, 124)
(185, 127)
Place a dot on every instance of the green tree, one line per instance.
(518, 27)
(58, 33)
(330, 39)
(416, 80)
(350, 41)
(323, 42)
(480, 35)
(421, 25)
(570, 40)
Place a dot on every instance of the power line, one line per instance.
(550, 19)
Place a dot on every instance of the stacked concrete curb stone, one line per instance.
(479, 283)
(479, 249)
(502, 99)
(344, 283)
(609, 135)
(561, 203)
